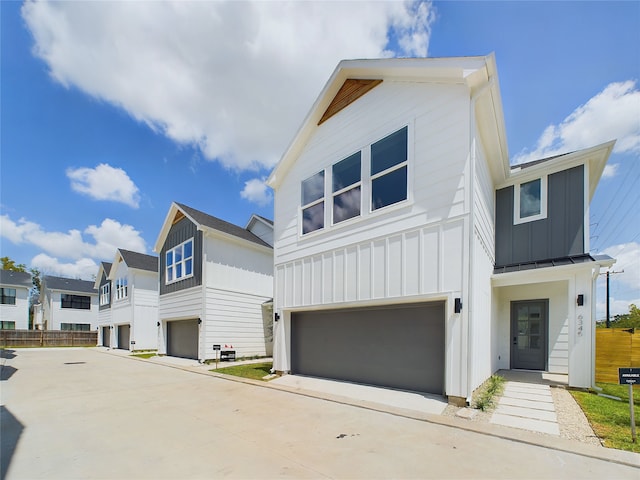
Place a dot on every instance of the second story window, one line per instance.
(77, 302)
(313, 203)
(7, 296)
(346, 176)
(122, 289)
(389, 170)
(530, 202)
(105, 294)
(180, 262)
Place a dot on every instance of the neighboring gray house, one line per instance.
(216, 285)
(69, 304)
(134, 301)
(410, 254)
(14, 300)
(103, 286)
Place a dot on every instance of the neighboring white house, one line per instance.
(103, 286)
(410, 254)
(134, 301)
(69, 304)
(216, 285)
(14, 300)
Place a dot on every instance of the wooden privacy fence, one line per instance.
(615, 348)
(47, 338)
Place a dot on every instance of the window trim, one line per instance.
(105, 291)
(3, 296)
(74, 299)
(182, 262)
(122, 288)
(320, 200)
(365, 184)
(346, 189)
(517, 219)
(389, 170)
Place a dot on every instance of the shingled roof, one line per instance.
(69, 284)
(16, 279)
(225, 227)
(140, 261)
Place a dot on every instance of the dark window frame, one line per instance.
(75, 302)
(6, 297)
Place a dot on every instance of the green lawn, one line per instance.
(254, 371)
(610, 419)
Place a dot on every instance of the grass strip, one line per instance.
(255, 371)
(610, 418)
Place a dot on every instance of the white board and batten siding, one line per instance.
(413, 248)
(484, 326)
(58, 315)
(239, 280)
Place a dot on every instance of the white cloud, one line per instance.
(256, 191)
(102, 243)
(610, 170)
(105, 183)
(233, 78)
(611, 114)
(83, 268)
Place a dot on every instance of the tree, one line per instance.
(8, 264)
(627, 320)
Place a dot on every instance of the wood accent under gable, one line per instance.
(351, 90)
(179, 216)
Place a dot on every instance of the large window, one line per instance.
(105, 294)
(346, 188)
(78, 302)
(530, 201)
(180, 262)
(7, 296)
(122, 289)
(7, 325)
(385, 175)
(389, 170)
(75, 327)
(313, 203)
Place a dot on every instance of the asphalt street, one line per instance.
(82, 413)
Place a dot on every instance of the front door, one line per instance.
(529, 320)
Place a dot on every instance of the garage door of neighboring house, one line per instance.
(182, 338)
(106, 337)
(124, 334)
(401, 346)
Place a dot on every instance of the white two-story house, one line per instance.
(14, 300)
(216, 285)
(68, 304)
(410, 254)
(133, 279)
(103, 286)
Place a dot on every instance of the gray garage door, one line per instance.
(124, 334)
(399, 347)
(182, 338)
(106, 337)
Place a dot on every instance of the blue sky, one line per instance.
(111, 111)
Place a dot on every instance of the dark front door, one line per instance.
(529, 320)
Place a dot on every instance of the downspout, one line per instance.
(472, 171)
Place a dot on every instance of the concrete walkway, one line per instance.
(527, 406)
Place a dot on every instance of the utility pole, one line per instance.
(608, 316)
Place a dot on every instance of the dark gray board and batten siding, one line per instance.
(104, 281)
(182, 231)
(559, 235)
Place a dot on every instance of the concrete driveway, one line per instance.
(82, 413)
